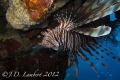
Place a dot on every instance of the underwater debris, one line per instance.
(74, 33)
(21, 14)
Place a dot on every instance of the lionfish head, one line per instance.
(49, 41)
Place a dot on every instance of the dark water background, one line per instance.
(87, 73)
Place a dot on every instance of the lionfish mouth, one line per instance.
(80, 29)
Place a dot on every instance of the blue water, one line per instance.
(87, 73)
(112, 17)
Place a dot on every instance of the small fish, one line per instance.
(79, 30)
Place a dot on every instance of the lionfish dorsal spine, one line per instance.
(86, 12)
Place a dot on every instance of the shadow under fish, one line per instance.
(80, 29)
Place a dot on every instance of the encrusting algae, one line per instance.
(38, 9)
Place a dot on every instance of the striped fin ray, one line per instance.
(111, 38)
(95, 49)
(69, 11)
(94, 32)
(73, 61)
(96, 10)
(109, 52)
(106, 50)
(85, 58)
(79, 13)
(96, 28)
(103, 48)
(82, 55)
(66, 14)
(93, 66)
(89, 52)
(102, 21)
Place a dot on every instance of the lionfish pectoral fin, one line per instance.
(105, 49)
(82, 55)
(76, 71)
(93, 67)
(94, 32)
(85, 58)
(91, 54)
(97, 10)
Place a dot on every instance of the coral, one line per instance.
(17, 15)
(21, 14)
(38, 9)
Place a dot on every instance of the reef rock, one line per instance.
(21, 14)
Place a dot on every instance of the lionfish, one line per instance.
(79, 28)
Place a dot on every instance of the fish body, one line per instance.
(79, 29)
